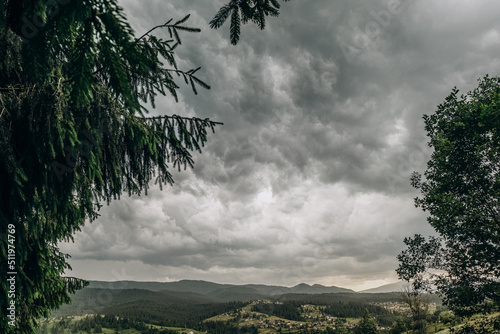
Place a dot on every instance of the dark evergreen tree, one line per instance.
(353, 309)
(98, 328)
(74, 132)
(286, 310)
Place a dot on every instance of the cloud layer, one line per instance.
(308, 180)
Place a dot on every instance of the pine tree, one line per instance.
(74, 132)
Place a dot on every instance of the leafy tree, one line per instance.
(418, 303)
(461, 192)
(398, 326)
(74, 131)
(367, 325)
(340, 327)
(482, 325)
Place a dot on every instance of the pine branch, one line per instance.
(235, 27)
(174, 27)
(221, 17)
(184, 118)
(242, 11)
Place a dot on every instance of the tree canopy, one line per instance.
(74, 131)
(461, 191)
(367, 325)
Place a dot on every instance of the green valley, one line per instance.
(194, 307)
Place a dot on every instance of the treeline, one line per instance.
(327, 298)
(341, 309)
(96, 323)
(225, 327)
(353, 309)
(291, 310)
(178, 315)
(287, 310)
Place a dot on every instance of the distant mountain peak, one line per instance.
(316, 289)
(224, 292)
(392, 287)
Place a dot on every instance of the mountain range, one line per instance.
(393, 287)
(187, 297)
(215, 289)
(221, 291)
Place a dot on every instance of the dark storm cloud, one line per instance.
(308, 179)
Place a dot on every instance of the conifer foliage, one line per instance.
(74, 132)
(244, 11)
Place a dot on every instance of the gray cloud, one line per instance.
(308, 180)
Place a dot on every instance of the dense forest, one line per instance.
(202, 307)
(179, 315)
(287, 310)
(266, 317)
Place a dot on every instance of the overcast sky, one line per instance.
(308, 179)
